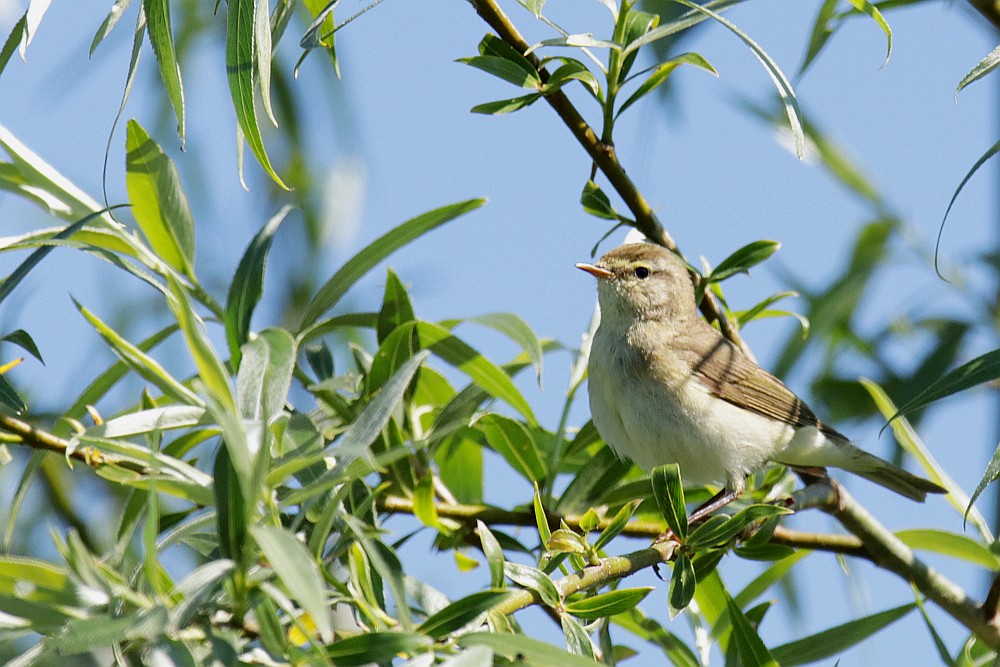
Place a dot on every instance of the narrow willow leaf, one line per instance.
(682, 585)
(210, 368)
(660, 75)
(10, 398)
(832, 641)
(871, 10)
(784, 87)
(376, 648)
(993, 150)
(494, 554)
(423, 503)
(573, 70)
(265, 375)
(617, 525)
(985, 66)
(749, 646)
(248, 284)
(505, 69)
(613, 602)
(396, 307)
(500, 107)
(579, 40)
(461, 612)
(648, 629)
(541, 518)
(491, 46)
(744, 259)
(162, 40)
(333, 289)
(943, 652)
(982, 369)
(298, 570)
(240, 68)
(713, 534)
(100, 630)
(822, 30)
(577, 640)
(669, 494)
(109, 22)
(908, 439)
(33, 18)
(23, 340)
(515, 443)
(596, 202)
(955, 545)
(529, 651)
(518, 331)
(533, 579)
(263, 49)
(147, 367)
(13, 39)
(158, 202)
(149, 421)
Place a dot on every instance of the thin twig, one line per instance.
(603, 155)
(36, 438)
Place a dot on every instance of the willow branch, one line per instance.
(889, 553)
(22, 433)
(602, 154)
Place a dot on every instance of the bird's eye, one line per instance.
(641, 272)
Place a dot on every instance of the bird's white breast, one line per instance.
(668, 416)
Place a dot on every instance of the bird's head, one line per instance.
(642, 281)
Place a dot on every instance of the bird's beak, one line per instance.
(596, 271)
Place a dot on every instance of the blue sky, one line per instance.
(404, 143)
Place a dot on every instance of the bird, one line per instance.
(665, 386)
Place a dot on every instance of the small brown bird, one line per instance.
(666, 387)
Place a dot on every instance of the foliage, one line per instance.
(275, 464)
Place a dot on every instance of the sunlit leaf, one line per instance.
(613, 602)
(162, 40)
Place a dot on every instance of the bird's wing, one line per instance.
(728, 374)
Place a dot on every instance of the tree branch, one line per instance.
(25, 434)
(603, 155)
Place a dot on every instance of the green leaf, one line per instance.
(107, 25)
(423, 503)
(617, 525)
(298, 570)
(460, 464)
(500, 107)
(991, 473)
(530, 652)
(460, 613)
(23, 340)
(669, 494)
(660, 75)
(993, 150)
(749, 646)
(162, 41)
(517, 330)
(248, 284)
(376, 648)
(871, 10)
(17, 275)
(682, 585)
(494, 554)
(613, 602)
(240, 68)
(13, 39)
(648, 629)
(10, 398)
(577, 639)
(231, 513)
(140, 362)
(955, 545)
(832, 641)
(158, 201)
(768, 578)
(596, 202)
(743, 259)
(493, 46)
(713, 533)
(764, 552)
(263, 54)
(982, 369)
(265, 375)
(515, 443)
(573, 70)
(396, 307)
(505, 69)
(533, 579)
(985, 66)
(334, 288)
(103, 631)
(822, 30)
(210, 368)
(781, 83)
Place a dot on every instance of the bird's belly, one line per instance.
(655, 423)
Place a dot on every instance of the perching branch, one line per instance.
(16, 431)
(604, 156)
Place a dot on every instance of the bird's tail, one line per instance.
(882, 472)
(838, 453)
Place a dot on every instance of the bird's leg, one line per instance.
(716, 502)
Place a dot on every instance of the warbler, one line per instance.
(667, 387)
